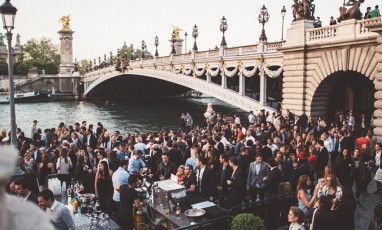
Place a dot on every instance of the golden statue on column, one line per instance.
(65, 22)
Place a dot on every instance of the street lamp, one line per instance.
(223, 28)
(195, 34)
(283, 12)
(8, 13)
(185, 42)
(263, 18)
(173, 36)
(131, 52)
(143, 48)
(156, 46)
(75, 65)
(111, 58)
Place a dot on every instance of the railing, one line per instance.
(249, 49)
(273, 46)
(363, 24)
(323, 33)
(349, 29)
(232, 51)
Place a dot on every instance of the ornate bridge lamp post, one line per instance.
(263, 18)
(283, 12)
(104, 60)
(195, 34)
(173, 37)
(185, 42)
(75, 65)
(8, 13)
(143, 45)
(156, 46)
(111, 58)
(99, 62)
(131, 52)
(223, 28)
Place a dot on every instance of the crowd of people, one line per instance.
(230, 161)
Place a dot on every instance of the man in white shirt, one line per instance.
(119, 178)
(251, 118)
(140, 146)
(56, 211)
(33, 128)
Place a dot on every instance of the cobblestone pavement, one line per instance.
(364, 213)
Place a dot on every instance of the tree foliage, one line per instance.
(21, 68)
(42, 50)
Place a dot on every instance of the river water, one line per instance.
(149, 114)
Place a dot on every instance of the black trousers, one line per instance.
(257, 191)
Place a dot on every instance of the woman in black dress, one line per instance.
(104, 186)
(45, 168)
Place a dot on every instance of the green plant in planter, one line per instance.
(247, 221)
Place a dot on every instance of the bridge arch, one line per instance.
(212, 89)
(336, 68)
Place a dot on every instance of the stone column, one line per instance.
(66, 52)
(263, 88)
(208, 77)
(377, 27)
(241, 84)
(224, 80)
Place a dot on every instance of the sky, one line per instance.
(103, 26)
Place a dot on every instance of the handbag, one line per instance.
(378, 175)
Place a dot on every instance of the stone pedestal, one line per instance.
(296, 33)
(179, 46)
(66, 52)
(295, 67)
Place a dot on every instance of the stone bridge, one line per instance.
(209, 72)
(320, 71)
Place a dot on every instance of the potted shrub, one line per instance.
(247, 221)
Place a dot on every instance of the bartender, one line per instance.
(129, 199)
(189, 180)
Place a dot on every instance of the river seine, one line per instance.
(149, 114)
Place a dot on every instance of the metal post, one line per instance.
(282, 30)
(11, 91)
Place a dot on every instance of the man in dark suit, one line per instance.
(22, 187)
(258, 170)
(322, 158)
(206, 179)
(236, 184)
(224, 173)
(36, 155)
(174, 154)
(273, 179)
(89, 139)
(166, 168)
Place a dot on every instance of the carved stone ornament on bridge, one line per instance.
(273, 73)
(200, 71)
(353, 12)
(188, 71)
(303, 9)
(229, 73)
(214, 73)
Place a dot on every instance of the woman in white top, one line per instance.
(295, 217)
(64, 163)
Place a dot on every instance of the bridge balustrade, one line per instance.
(349, 29)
